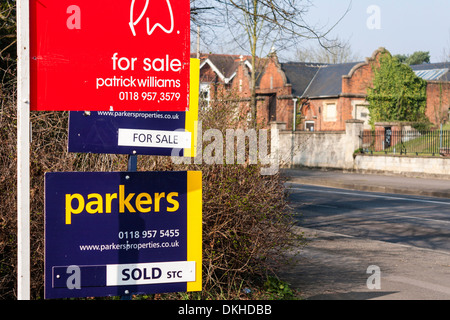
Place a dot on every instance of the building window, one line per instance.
(362, 113)
(309, 125)
(205, 96)
(330, 112)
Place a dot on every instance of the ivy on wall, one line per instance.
(397, 94)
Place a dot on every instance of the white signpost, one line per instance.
(23, 151)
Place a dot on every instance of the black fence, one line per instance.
(407, 142)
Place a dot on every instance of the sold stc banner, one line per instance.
(110, 55)
(122, 233)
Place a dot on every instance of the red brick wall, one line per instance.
(208, 75)
(272, 78)
(273, 82)
(241, 81)
(321, 122)
(438, 101)
(285, 109)
(360, 77)
(354, 88)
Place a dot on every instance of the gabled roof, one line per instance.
(300, 75)
(328, 80)
(224, 65)
(433, 71)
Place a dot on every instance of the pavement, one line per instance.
(431, 187)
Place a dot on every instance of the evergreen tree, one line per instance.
(418, 57)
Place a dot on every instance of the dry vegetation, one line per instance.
(246, 221)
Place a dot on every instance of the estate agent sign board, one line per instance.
(134, 132)
(119, 233)
(109, 55)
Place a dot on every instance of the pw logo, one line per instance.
(150, 28)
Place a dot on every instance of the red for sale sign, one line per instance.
(120, 55)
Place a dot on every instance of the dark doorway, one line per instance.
(273, 107)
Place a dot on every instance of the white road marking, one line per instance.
(385, 197)
(372, 195)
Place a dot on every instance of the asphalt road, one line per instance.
(406, 238)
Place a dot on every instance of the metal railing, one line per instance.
(407, 142)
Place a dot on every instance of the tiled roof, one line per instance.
(223, 64)
(299, 75)
(328, 80)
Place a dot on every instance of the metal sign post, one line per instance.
(23, 151)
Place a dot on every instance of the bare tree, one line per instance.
(259, 25)
(205, 14)
(335, 51)
(446, 51)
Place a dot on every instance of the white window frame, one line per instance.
(309, 122)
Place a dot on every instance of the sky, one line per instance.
(400, 26)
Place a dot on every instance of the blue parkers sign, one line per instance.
(133, 132)
(125, 132)
(119, 233)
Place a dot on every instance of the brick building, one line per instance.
(218, 72)
(437, 76)
(280, 87)
(337, 94)
(233, 74)
(324, 96)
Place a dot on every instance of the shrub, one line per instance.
(246, 222)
